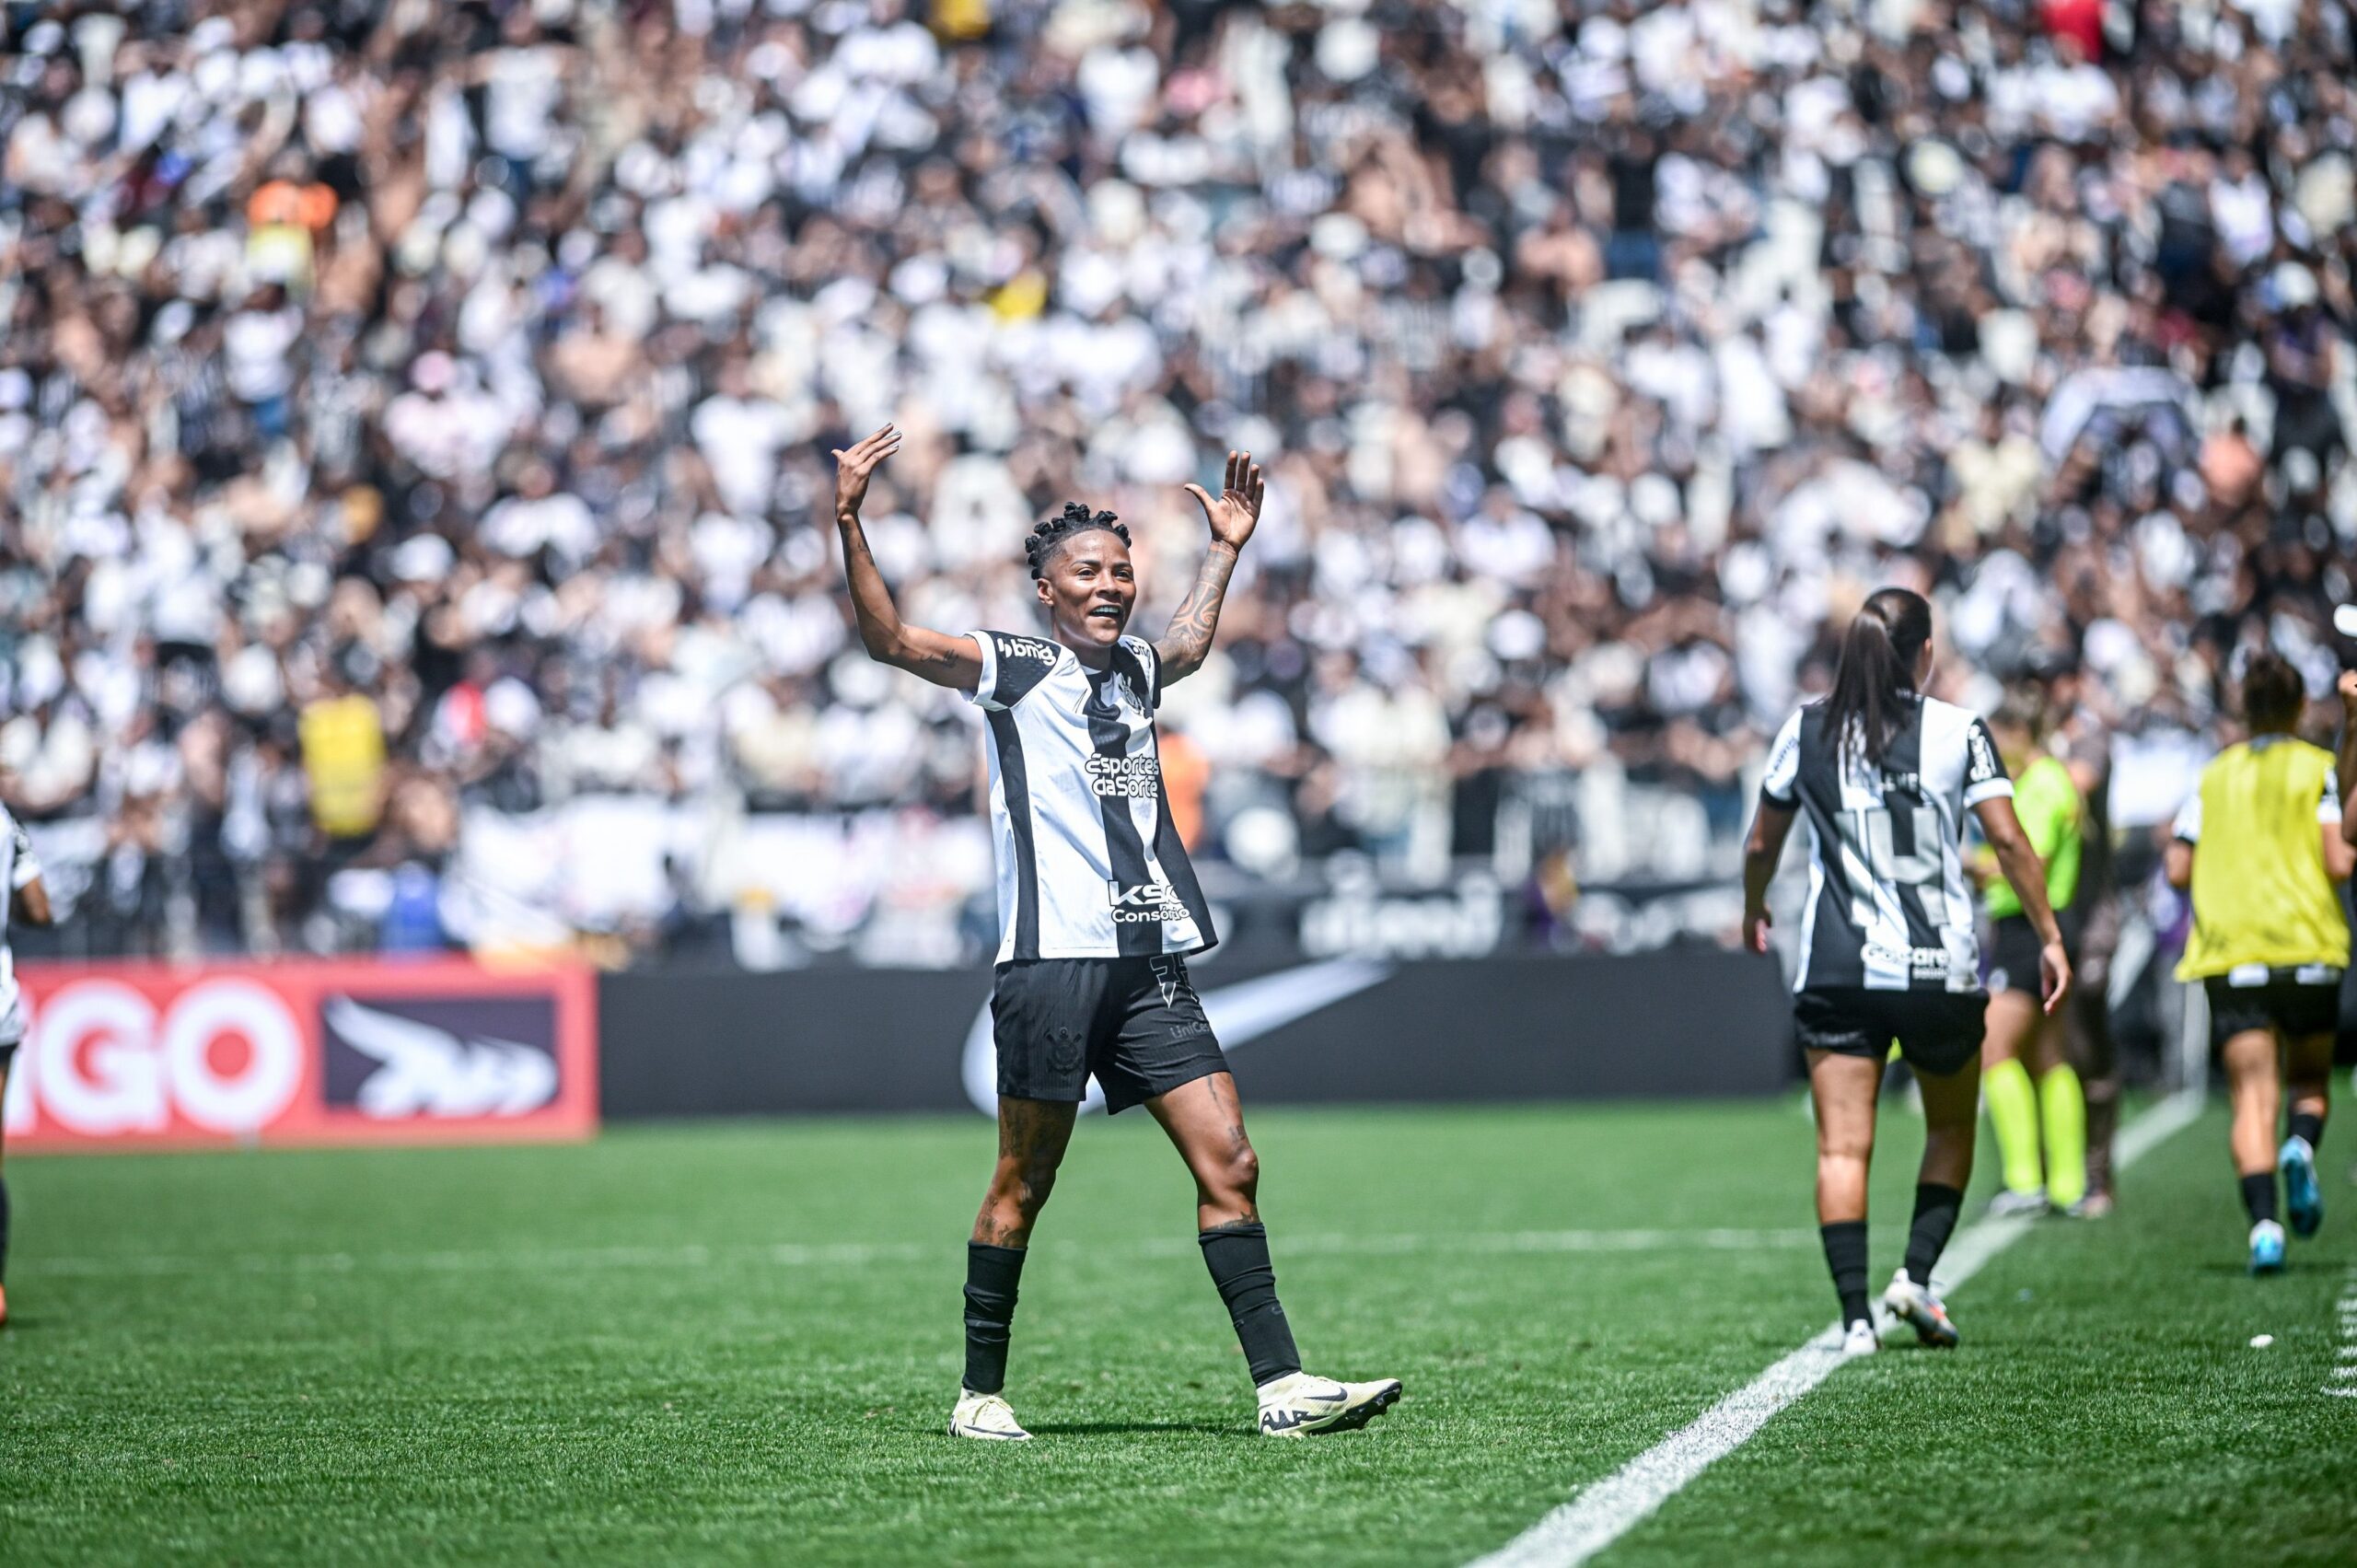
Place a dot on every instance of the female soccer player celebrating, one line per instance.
(1098, 909)
(2261, 844)
(1884, 777)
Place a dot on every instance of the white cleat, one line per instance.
(986, 1416)
(1298, 1404)
(1915, 1305)
(1860, 1339)
(2010, 1204)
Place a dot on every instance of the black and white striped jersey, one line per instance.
(17, 868)
(1889, 906)
(1089, 866)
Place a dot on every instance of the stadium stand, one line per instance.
(414, 426)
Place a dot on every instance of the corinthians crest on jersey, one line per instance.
(1089, 866)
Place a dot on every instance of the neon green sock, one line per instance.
(2063, 1107)
(2013, 1111)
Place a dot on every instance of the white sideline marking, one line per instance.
(1610, 1508)
(855, 1254)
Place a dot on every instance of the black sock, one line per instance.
(992, 1273)
(1845, 1254)
(2258, 1196)
(1935, 1212)
(1237, 1255)
(2309, 1125)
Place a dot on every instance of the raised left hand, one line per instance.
(1236, 511)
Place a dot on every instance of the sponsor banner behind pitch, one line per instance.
(1329, 1030)
(301, 1053)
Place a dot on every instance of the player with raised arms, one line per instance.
(2259, 845)
(1097, 910)
(1887, 945)
(24, 899)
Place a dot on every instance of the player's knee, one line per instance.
(1033, 1180)
(1236, 1174)
(1244, 1171)
(1837, 1140)
(1844, 1154)
(1021, 1187)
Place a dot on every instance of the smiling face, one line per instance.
(1089, 590)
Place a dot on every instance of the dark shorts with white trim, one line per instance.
(2015, 949)
(2295, 1003)
(1135, 1024)
(1938, 1032)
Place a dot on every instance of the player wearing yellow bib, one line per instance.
(2261, 844)
(2024, 1079)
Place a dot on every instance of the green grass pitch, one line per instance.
(740, 1343)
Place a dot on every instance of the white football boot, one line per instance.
(2010, 1204)
(986, 1416)
(1860, 1339)
(1298, 1404)
(1916, 1306)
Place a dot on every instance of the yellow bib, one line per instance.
(2261, 895)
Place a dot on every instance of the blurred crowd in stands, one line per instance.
(415, 419)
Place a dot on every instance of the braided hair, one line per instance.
(1041, 542)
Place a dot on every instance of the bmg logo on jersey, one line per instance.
(1146, 901)
(1026, 647)
(1125, 778)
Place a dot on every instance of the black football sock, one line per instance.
(1237, 1255)
(1935, 1212)
(992, 1273)
(2309, 1125)
(1845, 1254)
(2258, 1196)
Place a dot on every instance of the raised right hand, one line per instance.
(855, 466)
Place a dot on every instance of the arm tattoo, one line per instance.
(1188, 638)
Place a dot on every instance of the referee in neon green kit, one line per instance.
(2025, 1081)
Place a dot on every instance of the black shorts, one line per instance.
(1938, 1032)
(1135, 1024)
(2294, 1002)
(2015, 949)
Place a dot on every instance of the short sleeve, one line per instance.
(2186, 829)
(1012, 666)
(1783, 763)
(987, 682)
(26, 864)
(1984, 772)
(2328, 804)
